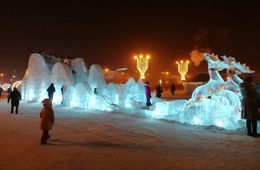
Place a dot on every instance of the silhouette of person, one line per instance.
(159, 90)
(15, 97)
(250, 105)
(147, 93)
(173, 88)
(1, 90)
(51, 90)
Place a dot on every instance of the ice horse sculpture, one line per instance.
(215, 82)
(217, 102)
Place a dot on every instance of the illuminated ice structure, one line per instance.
(83, 88)
(215, 103)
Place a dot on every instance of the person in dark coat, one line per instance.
(15, 98)
(147, 93)
(1, 90)
(250, 105)
(51, 90)
(173, 89)
(9, 91)
(159, 90)
(62, 92)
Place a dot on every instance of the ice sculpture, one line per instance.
(79, 70)
(215, 103)
(44, 69)
(62, 77)
(96, 78)
(82, 96)
(215, 82)
(36, 79)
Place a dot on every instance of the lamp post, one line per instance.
(183, 67)
(142, 64)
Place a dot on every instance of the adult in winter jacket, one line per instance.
(15, 97)
(1, 90)
(250, 106)
(159, 90)
(173, 88)
(51, 90)
(147, 93)
(47, 120)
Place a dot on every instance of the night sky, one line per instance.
(109, 33)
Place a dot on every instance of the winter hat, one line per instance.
(47, 101)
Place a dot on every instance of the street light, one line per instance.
(183, 68)
(142, 64)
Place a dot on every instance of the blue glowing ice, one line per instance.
(215, 103)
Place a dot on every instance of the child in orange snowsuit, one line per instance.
(47, 120)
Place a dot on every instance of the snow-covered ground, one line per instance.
(98, 140)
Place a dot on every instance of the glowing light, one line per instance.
(6, 86)
(17, 84)
(1, 74)
(106, 70)
(183, 68)
(142, 64)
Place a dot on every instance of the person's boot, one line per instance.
(48, 137)
(43, 141)
(249, 127)
(45, 137)
(254, 127)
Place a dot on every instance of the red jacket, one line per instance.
(147, 91)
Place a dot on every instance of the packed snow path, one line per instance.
(98, 140)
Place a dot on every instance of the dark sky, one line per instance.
(109, 33)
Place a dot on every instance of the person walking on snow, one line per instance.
(173, 88)
(159, 90)
(15, 97)
(47, 120)
(147, 93)
(1, 90)
(51, 90)
(250, 105)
